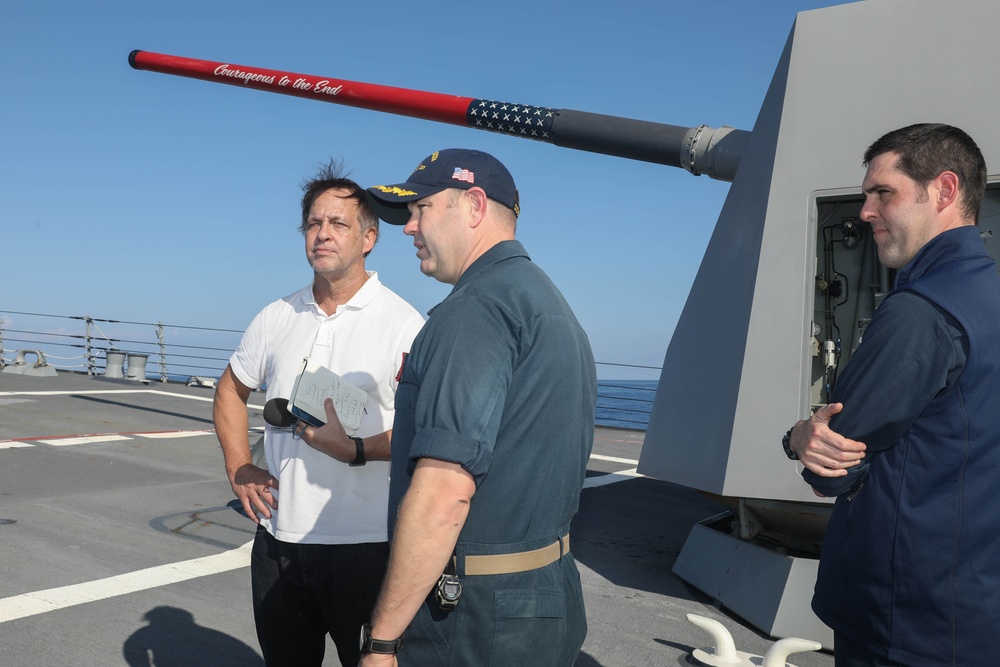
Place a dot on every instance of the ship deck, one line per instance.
(121, 543)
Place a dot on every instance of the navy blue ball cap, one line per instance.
(451, 168)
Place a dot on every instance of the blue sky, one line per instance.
(140, 196)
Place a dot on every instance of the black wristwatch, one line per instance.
(382, 646)
(786, 444)
(359, 458)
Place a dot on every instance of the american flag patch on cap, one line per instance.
(464, 175)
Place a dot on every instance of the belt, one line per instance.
(516, 562)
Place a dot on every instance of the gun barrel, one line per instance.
(715, 152)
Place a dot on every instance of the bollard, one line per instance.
(114, 360)
(136, 367)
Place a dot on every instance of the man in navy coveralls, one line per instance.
(493, 429)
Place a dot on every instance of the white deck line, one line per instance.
(52, 599)
(117, 391)
(614, 459)
(610, 478)
(84, 440)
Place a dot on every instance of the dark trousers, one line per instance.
(848, 654)
(301, 592)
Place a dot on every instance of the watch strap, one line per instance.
(786, 444)
(359, 457)
(381, 646)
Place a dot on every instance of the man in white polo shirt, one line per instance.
(320, 553)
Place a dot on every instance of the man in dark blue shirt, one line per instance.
(494, 426)
(911, 445)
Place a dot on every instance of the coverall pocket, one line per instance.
(530, 626)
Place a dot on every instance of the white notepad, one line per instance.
(316, 383)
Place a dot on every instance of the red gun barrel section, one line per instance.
(401, 101)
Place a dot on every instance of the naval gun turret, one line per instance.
(790, 275)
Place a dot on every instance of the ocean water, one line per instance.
(620, 403)
(625, 403)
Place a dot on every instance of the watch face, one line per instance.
(451, 590)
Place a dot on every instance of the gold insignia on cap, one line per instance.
(434, 156)
(394, 190)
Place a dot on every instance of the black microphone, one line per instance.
(276, 413)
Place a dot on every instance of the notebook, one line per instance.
(314, 384)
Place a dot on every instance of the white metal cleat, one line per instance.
(724, 653)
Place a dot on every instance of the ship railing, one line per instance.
(81, 343)
(183, 353)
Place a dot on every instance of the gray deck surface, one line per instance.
(97, 510)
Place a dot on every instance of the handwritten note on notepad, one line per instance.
(316, 383)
